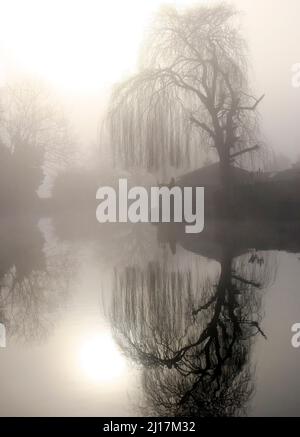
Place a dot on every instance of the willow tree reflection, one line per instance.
(192, 337)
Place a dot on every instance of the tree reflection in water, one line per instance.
(33, 287)
(29, 306)
(191, 336)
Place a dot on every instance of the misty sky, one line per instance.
(81, 47)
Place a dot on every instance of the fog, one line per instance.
(145, 318)
(82, 47)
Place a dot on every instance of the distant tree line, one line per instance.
(33, 141)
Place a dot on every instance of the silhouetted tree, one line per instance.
(191, 92)
(34, 136)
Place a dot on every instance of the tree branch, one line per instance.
(250, 149)
(202, 125)
(245, 281)
(253, 107)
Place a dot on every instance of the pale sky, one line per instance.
(83, 46)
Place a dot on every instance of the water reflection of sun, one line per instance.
(100, 360)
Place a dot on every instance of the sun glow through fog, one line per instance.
(100, 360)
(79, 45)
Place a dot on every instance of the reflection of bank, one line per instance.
(241, 236)
(2, 335)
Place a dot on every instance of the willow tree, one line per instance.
(191, 94)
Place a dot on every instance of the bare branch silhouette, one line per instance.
(191, 94)
(193, 339)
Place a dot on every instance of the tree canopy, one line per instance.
(191, 94)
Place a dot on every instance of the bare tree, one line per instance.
(191, 93)
(34, 130)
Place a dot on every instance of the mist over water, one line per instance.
(145, 319)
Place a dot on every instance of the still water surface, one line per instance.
(137, 320)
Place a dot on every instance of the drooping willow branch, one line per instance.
(191, 96)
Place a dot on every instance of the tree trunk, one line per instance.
(226, 181)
